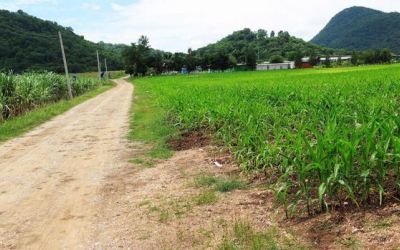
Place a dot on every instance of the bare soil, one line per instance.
(68, 184)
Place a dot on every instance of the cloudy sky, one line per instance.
(176, 25)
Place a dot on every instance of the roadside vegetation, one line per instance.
(244, 236)
(22, 93)
(31, 99)
(112, 74)
(148, 124)
(326, 139)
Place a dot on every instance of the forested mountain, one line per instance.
(29, 43)
(244, 44)
(360, 28)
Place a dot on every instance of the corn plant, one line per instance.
(21, 93)
(326, 137)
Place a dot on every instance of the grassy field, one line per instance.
(326, 138)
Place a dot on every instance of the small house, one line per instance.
(275, 66)
(336, 58)
(305, 63)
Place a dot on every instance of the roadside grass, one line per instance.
(206, 198)
(114, 74)
(205, 180)
(19, 125)
(148, 163)
(117, 74)
(381, 224)
(349, 243)
(148, 124)
(168, 210)
(243, 236)
(223, 185)
(227, 185)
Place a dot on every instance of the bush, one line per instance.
(276, 59)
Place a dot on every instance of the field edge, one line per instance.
(22, 124)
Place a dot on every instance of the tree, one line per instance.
(138, 57)
(354, 58)
(272, 34)
(386, 56)
(251, 58)
(144, 42)
(339, 61)
(190, 60)
(262, 34)
(314, 59)
(276, 59)
(220, 59)
(327, 61)
(296, 56)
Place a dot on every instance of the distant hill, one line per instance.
(29, 43)
(264, 44)
(360, 28)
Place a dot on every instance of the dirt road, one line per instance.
(51, 178)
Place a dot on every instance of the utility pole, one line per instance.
(65, 66)
(105, 64)
(98, 64)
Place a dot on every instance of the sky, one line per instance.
(176, 25)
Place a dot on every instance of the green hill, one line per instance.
(29, 43)
(241, 44)
(360, 28)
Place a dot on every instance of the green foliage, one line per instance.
(206, 198)
(244, 47)
(205, 180)
(245, 237)
(148, 124)
(29, 43)
(229, 185)
(222, 185)
(21, 93)
(328, 135)
(360, 28)
(276, 59)
(377, 56)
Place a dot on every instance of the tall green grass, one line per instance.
(326, 137)
(21, 93)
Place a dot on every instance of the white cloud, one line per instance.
(18, 4)
(179, 24)
(91, 6)
(176, 25)
(116, 7)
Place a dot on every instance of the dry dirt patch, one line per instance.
(158, 208)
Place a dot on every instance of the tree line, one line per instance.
(241, 50)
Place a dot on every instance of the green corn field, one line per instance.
(21, 93)
(325, 138)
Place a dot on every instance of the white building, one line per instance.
(275, 66)
(336, 58)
